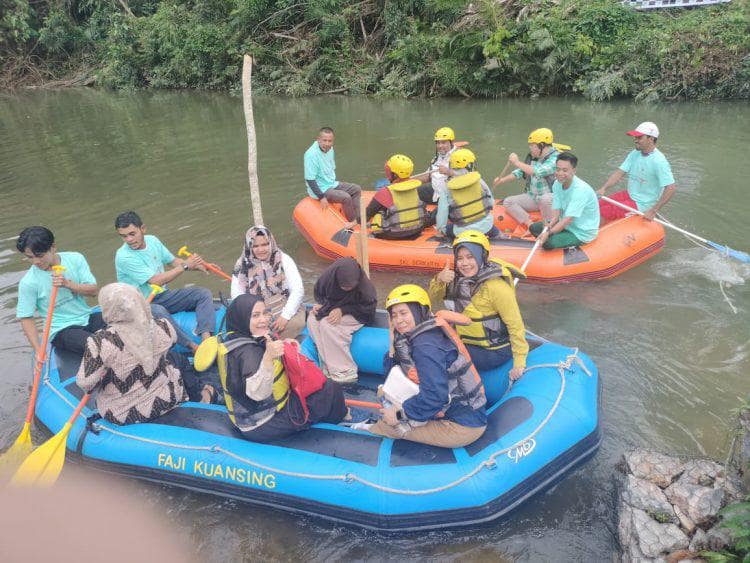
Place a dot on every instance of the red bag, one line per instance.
(305, 377)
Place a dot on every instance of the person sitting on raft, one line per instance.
(433, 181)
(449, 409)
(484, 291)
(575, 209)
(397, 211)
(72, 319)
(140, 261)
(345, 300)
(129, 364)
(469, 202)
(321, 182)
(264, 270)
(256, 387)
(539, 174)
(650, 181)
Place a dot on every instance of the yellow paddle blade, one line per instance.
(205, 355)
(183, 251)
(21, 448)
(43, 466)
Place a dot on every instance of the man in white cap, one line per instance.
(650, 181)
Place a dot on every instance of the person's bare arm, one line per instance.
(615, 177)
(28, 325)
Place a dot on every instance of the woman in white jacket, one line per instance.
(264, 270)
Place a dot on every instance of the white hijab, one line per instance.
(128, 315)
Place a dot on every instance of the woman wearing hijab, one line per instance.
(345, 301)
(264, 270)
(484, 291)
(256, 388)
(449, 409)
(128, 360)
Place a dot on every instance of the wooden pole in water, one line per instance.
(252, 152)
(364, 257)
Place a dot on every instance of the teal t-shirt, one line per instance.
(321, 167)
(136, 267)
(648, 175)
(580, 202)
(35, 288)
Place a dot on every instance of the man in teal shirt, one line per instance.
(320, 178)
(650, 181)
(140, 262)
(72, 319)
(575, 209)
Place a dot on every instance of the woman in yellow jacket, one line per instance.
(483, 290)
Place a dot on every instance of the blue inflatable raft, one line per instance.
(538, 431)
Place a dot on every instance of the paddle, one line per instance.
(43, 466)
(736, 254)
(534, 248)
(363, 404)
(22, 446)
(183, 251)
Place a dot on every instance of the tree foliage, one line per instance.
(597, 48)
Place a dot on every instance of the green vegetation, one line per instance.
(597, 48)
(736, 520)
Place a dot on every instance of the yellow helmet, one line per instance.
(400, 165)
(408, 293)
(462, 158)
(542, 135)
(545, 136)
(473, 236)
(445, 134)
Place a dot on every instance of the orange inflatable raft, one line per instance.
(621, 245)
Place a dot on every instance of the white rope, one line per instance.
(490, 463)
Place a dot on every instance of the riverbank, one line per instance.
(673, 509)
(433, 48)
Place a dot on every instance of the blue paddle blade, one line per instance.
(381, 183)
(736, 254)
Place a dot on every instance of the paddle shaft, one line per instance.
(536, 246)
(210, 267)
(39, 362)
(363, 404)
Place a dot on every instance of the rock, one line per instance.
(687, 524)
(702, 472)
(717, 538)
(699, 504)
(646, 496)
(732, 485)
(657, 468)
(681, 556)
(699, 541)
(655, 539)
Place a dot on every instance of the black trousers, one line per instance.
(327, 405)
(73, 338)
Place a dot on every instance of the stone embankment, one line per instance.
(668, 507)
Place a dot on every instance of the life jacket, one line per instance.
(549, 178)
(487, 329)
(464, 384)
(244, 412)
(470, 201)
(406, 216)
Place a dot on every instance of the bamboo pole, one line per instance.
(364, 258)
(252, 152)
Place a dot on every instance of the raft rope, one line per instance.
(489, 463)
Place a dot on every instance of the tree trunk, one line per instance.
(252, 152)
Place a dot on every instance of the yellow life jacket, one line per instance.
(407, 214)
(470, 201)
(244, 412)
(487, 329)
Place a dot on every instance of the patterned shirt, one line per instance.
(537, 185)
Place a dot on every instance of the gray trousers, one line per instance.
(348, 196)
(518, 207)
(196, 299)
